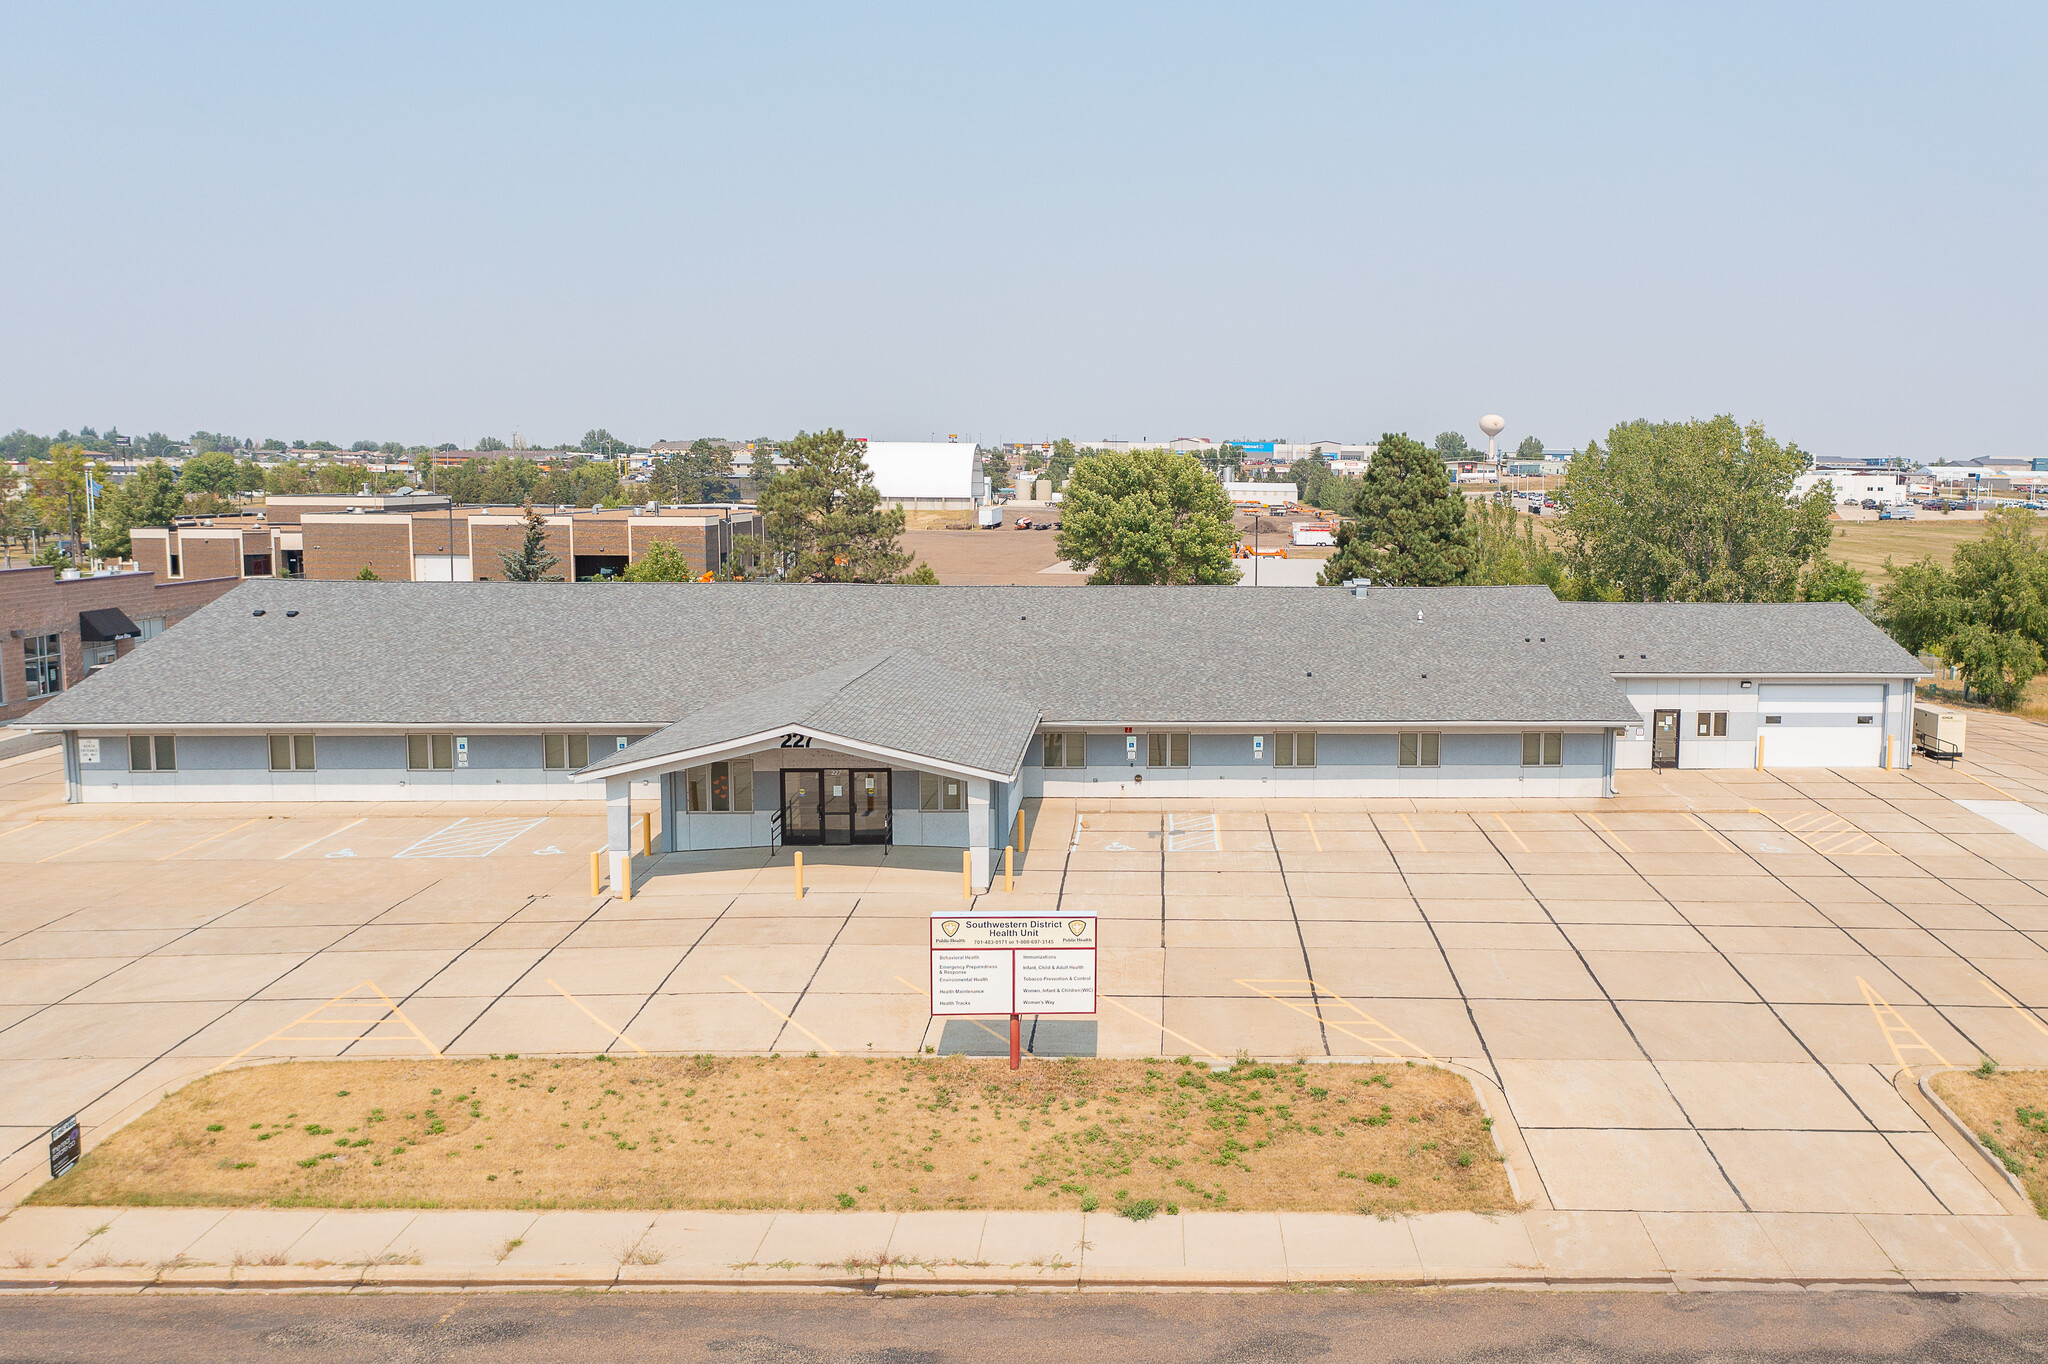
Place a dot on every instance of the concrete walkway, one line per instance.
(158, 1249)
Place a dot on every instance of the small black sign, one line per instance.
(63, 1146)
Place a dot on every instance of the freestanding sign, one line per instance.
(63, 1146)
(1013, 964)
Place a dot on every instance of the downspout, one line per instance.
(1607, 757)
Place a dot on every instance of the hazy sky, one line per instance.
(428, 223)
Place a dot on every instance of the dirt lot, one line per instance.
(979, 558)
(1864, 544)
(772, 1132)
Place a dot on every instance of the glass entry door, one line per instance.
(1664, 739)
(871, 805)
(835, 806)
(802, 819)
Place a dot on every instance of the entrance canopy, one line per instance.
(898, 707)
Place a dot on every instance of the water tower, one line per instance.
(1492, 425)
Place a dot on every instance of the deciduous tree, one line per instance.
(1147, 517)
(1692, 511)
(660, 562)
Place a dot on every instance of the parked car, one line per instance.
(1870, 504)
(1848, 501)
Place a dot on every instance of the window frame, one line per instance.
(1548, 745)
(155, 747)
(932, 796)
(1420, 748)
(438, 746)
(46, 650)
(292, 753)
(1160, 746)
(1713, 724)
(1073, 749)
(567, 744)
(1294, 748)
(701, 787)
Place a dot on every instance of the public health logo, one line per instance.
(1077, 926)
(950, 927)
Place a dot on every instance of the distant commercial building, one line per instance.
(927, 475)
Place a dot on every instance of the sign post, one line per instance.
(1012, 964)
(63, 1146)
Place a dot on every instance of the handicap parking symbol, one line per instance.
(343, 852)
(549, 851)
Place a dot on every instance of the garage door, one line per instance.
(1822, 725)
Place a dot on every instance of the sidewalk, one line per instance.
(159, 1249)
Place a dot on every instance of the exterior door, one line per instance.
(1664, 739)
(836, 802)
(802, 816)
(871, 805)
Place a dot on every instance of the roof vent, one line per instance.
(1359, 586)
(1418, 615)
(257, 612)
(291, 613)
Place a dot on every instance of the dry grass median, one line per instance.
(841, 1132)
(2008, 1110)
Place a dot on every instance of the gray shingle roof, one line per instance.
(1738, 638)
(900, 701)
(632, 654)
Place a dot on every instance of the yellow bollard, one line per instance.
(1020, 830)
(1759, 752)
(1891, 751)
(1006, 869)
(799, 873)
(966, 875)
(596, 874)
(626, 867)
(647, 832)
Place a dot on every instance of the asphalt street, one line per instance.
(1277, 1328)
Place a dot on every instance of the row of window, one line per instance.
(1418, 748)
(423, 753)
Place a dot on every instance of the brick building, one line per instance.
(53, 631)
(422, 538)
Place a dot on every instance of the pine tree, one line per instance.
(1407, 527)
(822, 518)
(531, 562)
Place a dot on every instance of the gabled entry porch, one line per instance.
(895, 750)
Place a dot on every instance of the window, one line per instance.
(564, 752)
(1713, 724)
(935, 792)
(1065, 750)
(1774, 719)
(152, 753)
(1421, 750)
(1866, 719)
(720, 787)
(291, 753)
(42, 657)
(1166, 750)
(1541, 748)
(1294, 750)
(430, 752)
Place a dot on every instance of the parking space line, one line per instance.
(1382, 1034)
(19, 827)
(208, 839)
(1611, 834)
(1416, 836)
(322, 839)
(345, 1000)
(781, 1015)
(1899, 1027)
(1716, 834)
(599, 1021)
(479, 839)
(90, 841)
(1105, 999)
(2014, 1005)
(1828, 834)
(1511, 829)
(1312, 832)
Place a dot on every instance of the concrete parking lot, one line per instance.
(1700, 997)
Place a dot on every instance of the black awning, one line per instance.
(107, 623)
